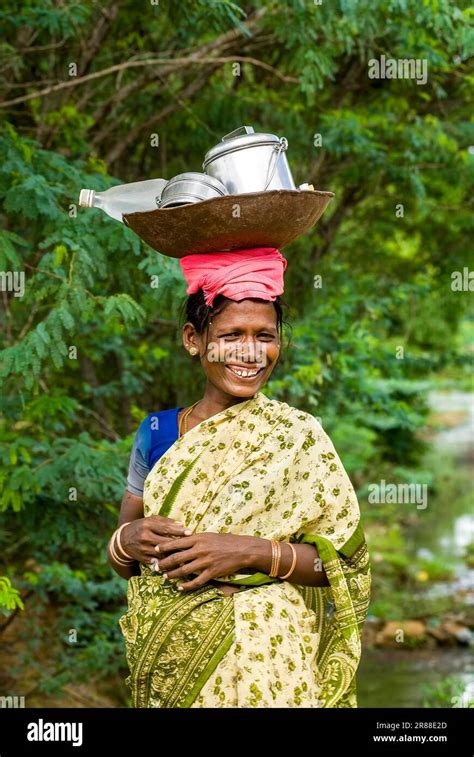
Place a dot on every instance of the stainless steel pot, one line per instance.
(250, 163)
(190, 187)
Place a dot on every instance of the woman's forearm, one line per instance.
(308, 569)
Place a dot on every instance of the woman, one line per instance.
(262, 576)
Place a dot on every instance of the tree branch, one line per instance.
(176, 63)
(219, 44)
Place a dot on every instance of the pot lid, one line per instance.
(240, 141)
(202, 178)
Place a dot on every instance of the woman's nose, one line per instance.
(249, 350)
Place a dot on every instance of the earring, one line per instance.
(193, 351)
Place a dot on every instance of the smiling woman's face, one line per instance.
(243, 337)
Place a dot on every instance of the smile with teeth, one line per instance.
(242, 372)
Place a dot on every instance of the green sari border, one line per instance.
(347, 550)
(214, 661)
(175, 487)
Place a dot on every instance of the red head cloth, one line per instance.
(237, 274)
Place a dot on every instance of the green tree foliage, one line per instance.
(94, 344)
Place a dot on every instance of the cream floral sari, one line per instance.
(266, 469)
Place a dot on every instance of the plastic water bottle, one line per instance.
(124, 198)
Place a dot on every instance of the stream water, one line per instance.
(407, 678)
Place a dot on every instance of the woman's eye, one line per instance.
(234, 333)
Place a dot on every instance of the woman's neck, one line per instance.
(215, 402)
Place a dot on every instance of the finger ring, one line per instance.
(155, 565)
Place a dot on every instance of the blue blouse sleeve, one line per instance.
(139, 459)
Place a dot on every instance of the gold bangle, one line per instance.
(276, 559)
(293, 564)
(272, 567)
(116, 556)
(277, 566)
(272, 543)
(120, 550)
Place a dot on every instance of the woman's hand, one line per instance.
(211, 555)
(141, 536)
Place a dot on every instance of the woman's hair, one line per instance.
(199, 314)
